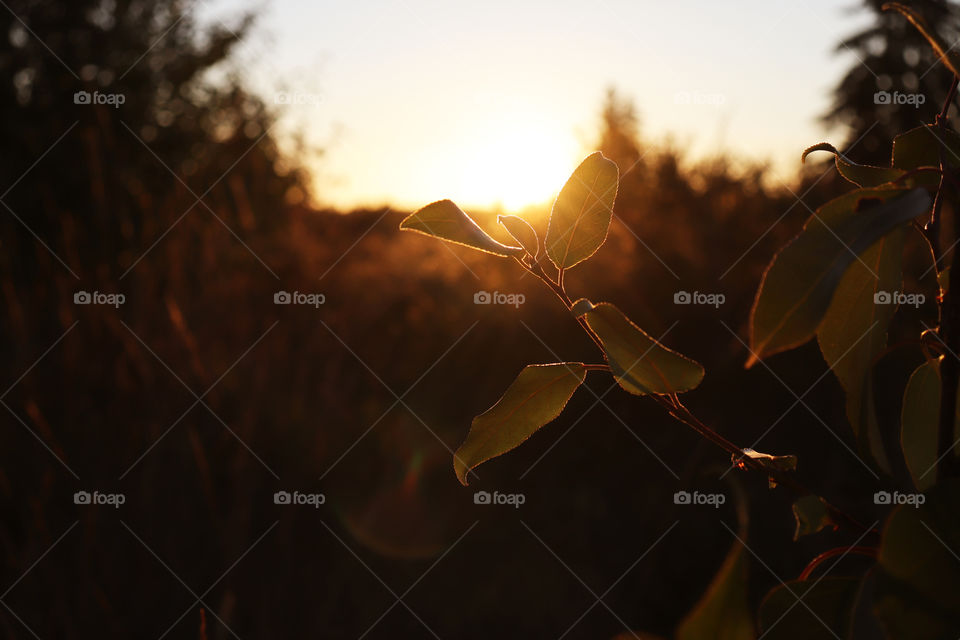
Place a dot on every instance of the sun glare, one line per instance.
(514, 166)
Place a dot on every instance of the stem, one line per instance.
(557, 288)
(949, 315)
(676, 409)
(597, 367)
(684, 415)
(826, 555)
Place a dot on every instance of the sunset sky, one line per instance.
(496, 102)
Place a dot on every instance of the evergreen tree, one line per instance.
(892, 60)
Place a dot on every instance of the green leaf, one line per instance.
(799, 284)
(640, 364)
(853, 333)
(921, 147)
(723, 612)
(811, 515)
(536, 397)
(917, 596)
(919, 423)
(522, 232)
(944, 53)
(827, 614)
(445, 220)
(859, 174)
(581, 214)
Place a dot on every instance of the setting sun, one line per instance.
(512, 163)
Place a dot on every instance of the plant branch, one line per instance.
(949, 311)
(680, 412)
(677, 410)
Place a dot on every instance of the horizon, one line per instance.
(528, 128)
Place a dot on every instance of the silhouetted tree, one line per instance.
(891, 56)
(619, 131)
(101, 195)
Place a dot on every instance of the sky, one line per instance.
(495, 103)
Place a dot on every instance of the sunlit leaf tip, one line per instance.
(859, 174)
(537, 396)
(822, 146)
(445, 220)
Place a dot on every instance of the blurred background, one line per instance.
(198, 158)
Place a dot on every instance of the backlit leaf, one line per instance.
(522, 232)
(536, 397)
(800, 282)
(853, 332)
(640, 364)
(445, 220)
(917, 596)
(581, 214)
(919, 423)
(724, 610)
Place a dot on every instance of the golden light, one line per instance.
(513, 162)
